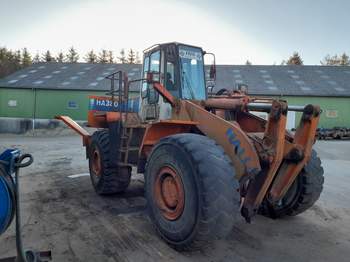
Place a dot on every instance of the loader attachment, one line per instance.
(76, 127)
(299, 155)
(288, 156)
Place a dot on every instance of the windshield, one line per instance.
(192, 73)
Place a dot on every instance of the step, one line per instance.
(132, 148)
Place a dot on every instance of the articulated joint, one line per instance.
(278, 108)
(295, 155)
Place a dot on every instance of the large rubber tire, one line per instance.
(302, 194)
(107, 179)
(211, 200)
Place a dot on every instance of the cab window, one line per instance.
(155, 62)
(154, 67)
(145, 70)
(192, 73)
(170, 77)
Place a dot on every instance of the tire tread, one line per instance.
(311, 181)
(111, 181)
(218, 197)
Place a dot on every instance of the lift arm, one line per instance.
(76, 127)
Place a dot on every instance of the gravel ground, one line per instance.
(66, 216)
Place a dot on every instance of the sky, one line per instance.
(262, 31)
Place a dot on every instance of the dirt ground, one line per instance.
(65, 215)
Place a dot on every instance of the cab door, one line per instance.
(149, 108)
(162, 63)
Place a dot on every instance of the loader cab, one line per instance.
(180, 69)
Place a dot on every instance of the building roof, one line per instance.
(261, 79)
(70, 76)
(286, 80)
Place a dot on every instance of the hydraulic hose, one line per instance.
(28, 256)
(14, 164)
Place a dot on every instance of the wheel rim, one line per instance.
(169, 193)
(96, 162)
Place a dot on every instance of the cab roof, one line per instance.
(162, 45)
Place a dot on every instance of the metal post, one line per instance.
(120, 93)
(34, 112)
(112, 88)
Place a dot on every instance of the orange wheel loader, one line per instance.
(208, 159)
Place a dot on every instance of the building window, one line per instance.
(331, 113)
(12, 103)
(72, 105)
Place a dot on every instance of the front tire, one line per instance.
(105, 178)
(302, 194)
(191, 190)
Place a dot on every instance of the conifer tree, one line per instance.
(122, 58)
(36, 59)
(344, 60)
(131, 57)
(103, 57)
(26, 58)
(60, 57)
(110, 57)
(91, 57)
(72, 56)
(47, 57)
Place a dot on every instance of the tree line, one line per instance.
(328, 60)
(13, 60)
(103, 57)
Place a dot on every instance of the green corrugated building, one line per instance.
(44, 90)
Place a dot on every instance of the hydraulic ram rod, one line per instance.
(267, 107)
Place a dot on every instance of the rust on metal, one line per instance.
(267, 158)
(97, 119)
(96, 163)
(251, 123)
(164, 93)
(273, 143)
(76, 127)
(229, 135)
(226, 103)
(304, 138)
(154, 132)
(169, 193)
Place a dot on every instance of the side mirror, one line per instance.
(210, 60)
(212, 72)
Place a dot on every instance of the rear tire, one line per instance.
(105, 178)
(303, 193)
(191, 190)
